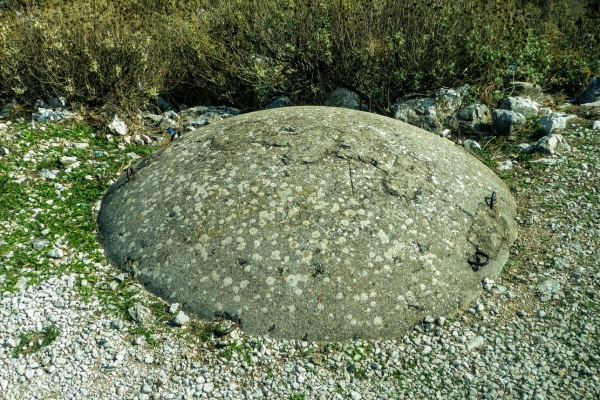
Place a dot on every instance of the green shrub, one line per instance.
(242, 52)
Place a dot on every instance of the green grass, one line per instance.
(33, 208)
(31, 342)
(201, 331)
(147, 333)
(244, 352)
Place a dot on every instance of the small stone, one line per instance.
(561, 192)
(173, 308)
(317, 359)
(146, 139)
(208, 387)
(596, 125)
(9, 107)
(475, 343)
(149, 360)
(206, 119)
(341, 97)
(520, 313)
(445, 133)
(504, 165)
(141, 314)
(355, 395)
(553, 121)
(549, 144)
(541, 314)
(117, 324)
(441, 321)
(181, 319)
(4, 151)
(48, 174)
(146, 389)
(11, 342)
(548, 287)
(59, 102)
(138, 140)
(118, 126)
(55, 253)
(281, 101)
(22, 283)
(472, 145)
(488, 284)
(66, 160)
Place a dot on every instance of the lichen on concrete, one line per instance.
(310, 222)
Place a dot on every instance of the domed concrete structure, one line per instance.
(311, 222)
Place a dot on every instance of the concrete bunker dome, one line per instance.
(310, 222)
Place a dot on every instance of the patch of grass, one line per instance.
(147, 333)
(13, 197)
(31, 342)
(532, 130)
(126, 302)
(160, 310)
(244, 352)
(298, 396)
(201, 330)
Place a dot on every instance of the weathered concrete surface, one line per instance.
(316, 222)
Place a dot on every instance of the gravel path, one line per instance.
(66, 330)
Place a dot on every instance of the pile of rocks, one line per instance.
(171, 122)
(450, 114)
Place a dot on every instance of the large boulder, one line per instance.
(592, 93)
(310, 222)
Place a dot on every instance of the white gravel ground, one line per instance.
(533, 334)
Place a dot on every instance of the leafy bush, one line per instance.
(245, 53)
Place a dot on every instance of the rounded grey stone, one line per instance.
(310, 222)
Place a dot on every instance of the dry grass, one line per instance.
(245, 53)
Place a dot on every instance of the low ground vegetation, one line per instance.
(51, 206)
